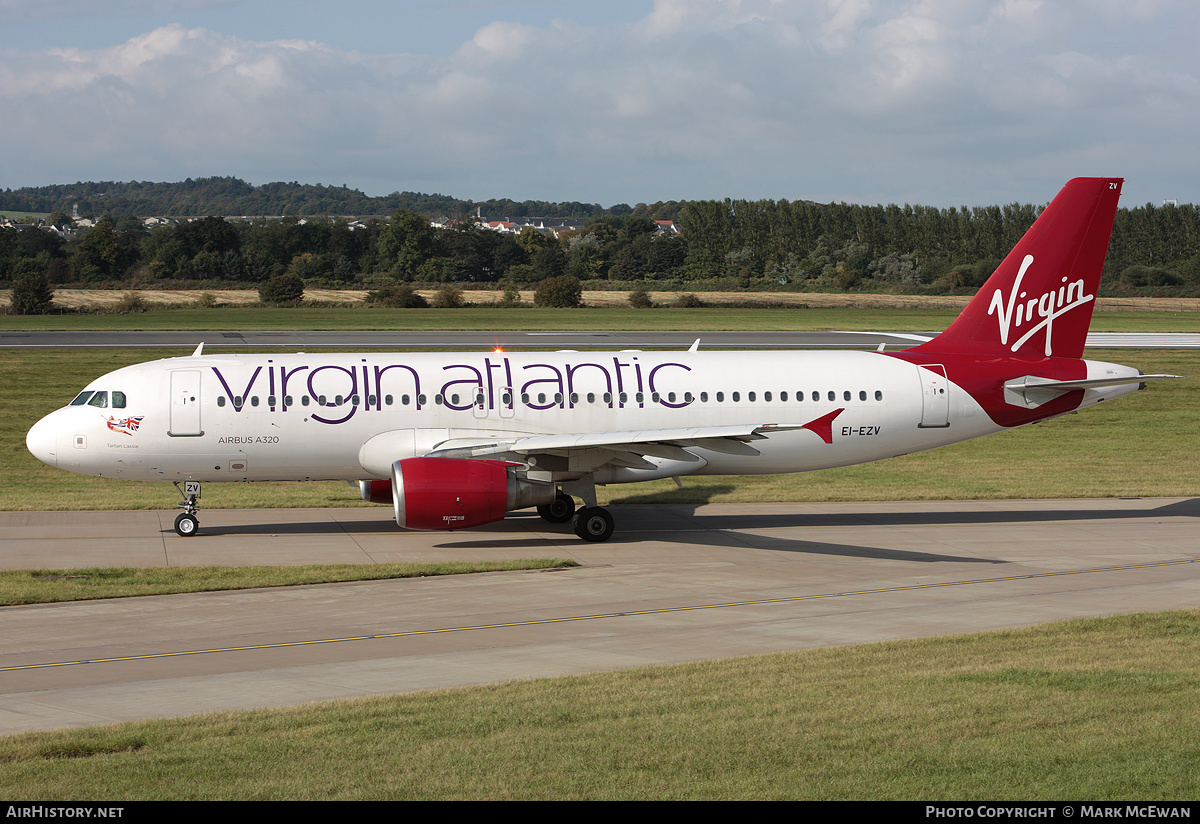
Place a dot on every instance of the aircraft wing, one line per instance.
(630, 447)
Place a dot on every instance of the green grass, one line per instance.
(610, 318)
(1145, 444)
(1097, 709)
(43, 586)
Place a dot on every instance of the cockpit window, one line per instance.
(118, 400)
(100, 399)
(81, 398)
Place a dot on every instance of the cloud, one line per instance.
(924, 101)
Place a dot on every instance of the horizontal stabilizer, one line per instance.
(1032, 391)
(1033, 382)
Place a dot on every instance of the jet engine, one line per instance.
(452, 493)
(375, 492)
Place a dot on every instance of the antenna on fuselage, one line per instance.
(695, 347)
(199, 350)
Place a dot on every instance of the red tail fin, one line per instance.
(1039, 301)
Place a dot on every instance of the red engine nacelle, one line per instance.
(449, 493)
(376, 492)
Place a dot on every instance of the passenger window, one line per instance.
(832, 395)
(703, 397)
(750, 397)
(118, 400)
(287, 400)
(254, 400)
(338, 400)
(506, 398)
(817, 395)
(437, 399)
(878, 395)
(846, 395)
(304, 400)
(720, 397)
(782, 397)
(321, 400)
(270, 400)
(862, 395)
(735, 397)
(100, 400)
(220, 400)
(420, 400)
(591, 397)
(454, 398)
(766, 397)
(404, 400)
(639, 397)
(81, 398)
(654, 397)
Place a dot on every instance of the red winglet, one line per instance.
(823, 425)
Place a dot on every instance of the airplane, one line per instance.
(455, 441)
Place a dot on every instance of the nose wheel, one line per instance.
(186, 525)
(186, 522)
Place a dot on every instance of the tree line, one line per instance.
(232, 196)
(720, 244)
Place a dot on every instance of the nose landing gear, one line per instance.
(186, 523)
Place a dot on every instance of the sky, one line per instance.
(934, 102)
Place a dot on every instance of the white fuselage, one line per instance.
(350, 416)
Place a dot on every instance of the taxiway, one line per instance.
(677, 583)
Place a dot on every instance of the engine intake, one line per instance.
(451, 493)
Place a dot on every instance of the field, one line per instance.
(779, 311)
(1090, 710)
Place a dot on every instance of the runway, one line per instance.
(452, 339)
(524, 340)
(677, 583)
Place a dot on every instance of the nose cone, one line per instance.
(42, 441)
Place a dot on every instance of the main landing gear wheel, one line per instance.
(559, 511)
(593, 523)
(186, 525)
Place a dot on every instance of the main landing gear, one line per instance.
(591, 523)
(559, 511)
(186, 523)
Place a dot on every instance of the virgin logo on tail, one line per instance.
(1012, 315)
